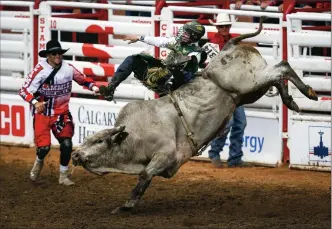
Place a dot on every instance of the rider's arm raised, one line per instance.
(157, 41)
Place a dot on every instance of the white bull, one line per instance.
(151, 138)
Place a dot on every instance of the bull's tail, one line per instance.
(236, 40)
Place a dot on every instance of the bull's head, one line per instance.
(101, 152)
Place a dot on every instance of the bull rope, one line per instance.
(191, 136)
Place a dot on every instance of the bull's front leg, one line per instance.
(158, 165)
(136, 195)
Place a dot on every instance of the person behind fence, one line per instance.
(47, 88)
(262, 3)
(161, 76)
(238, 121)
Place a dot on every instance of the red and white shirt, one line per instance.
(219, 40)
(214, 45)
(56, 94)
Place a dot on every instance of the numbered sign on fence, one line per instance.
(211, 50)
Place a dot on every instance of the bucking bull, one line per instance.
(156, 137)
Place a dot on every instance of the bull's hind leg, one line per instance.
(286, 98)
(289, 74)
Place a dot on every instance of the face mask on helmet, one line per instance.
(191, 32)
(183, 36)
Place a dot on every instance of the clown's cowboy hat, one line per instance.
(222, 19)
(51, 46)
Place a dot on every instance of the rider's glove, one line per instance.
(169, 83)
(95, 89)
(107, 92)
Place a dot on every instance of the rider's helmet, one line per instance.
(190, 32)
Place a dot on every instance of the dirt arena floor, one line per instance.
(199, 196)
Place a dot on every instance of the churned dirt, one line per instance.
(198, 196)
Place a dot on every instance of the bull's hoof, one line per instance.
(312, 94)
(295, 107)
(122, 210)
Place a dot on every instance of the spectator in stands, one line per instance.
(47, 88)
(177, 69)
(91, 38)
(315, 51)
(326, 5)
(304, 6)
(136, 13)
(263, 3)
(238, 121)
(65, 35)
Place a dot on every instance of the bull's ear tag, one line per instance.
(120, 137)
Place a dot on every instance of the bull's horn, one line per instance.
(121, 128)
(236, 40)
(116, 130)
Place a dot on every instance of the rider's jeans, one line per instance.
(135, 64)
(124, 70)
(131, 64)
(236, 126)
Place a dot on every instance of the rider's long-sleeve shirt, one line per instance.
(167, 42)
(56, 94)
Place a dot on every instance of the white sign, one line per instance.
(211, 50)
(310, 144)
(91, 116)
(319, 143)
(261, 142)
(15, 120)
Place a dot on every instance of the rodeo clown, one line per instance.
(160, 76)
(47, 88)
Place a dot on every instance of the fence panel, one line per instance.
(310, 131)
(260, 146)
(16, 39)
(110, 52)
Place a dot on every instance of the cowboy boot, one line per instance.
(64, 179)
(36, 169)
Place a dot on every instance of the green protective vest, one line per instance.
(157, 71)
(179, 50)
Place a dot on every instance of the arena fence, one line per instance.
(310, 131)
(125, 91)
(16, 40)
(261, 145)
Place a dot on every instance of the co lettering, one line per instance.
(12, 120)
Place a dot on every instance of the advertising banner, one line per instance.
(261, 142)
(90, 116)
(310, 144)
(15, 120)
